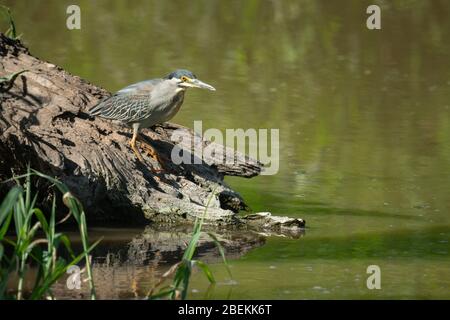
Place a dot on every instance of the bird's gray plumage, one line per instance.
(149, 102)
(139, 103)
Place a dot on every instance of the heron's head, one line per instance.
(186, 79)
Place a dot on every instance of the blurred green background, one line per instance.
(364, 119)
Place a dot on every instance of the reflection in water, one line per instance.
(363, 116)
(130, 269)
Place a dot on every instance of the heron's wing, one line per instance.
(128, 104)
(143, 87)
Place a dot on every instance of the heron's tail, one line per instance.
(97, 109)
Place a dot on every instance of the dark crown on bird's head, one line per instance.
(180, 73)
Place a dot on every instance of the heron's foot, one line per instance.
(152, 153)
(140, 158)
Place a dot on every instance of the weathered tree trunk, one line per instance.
(44, 122)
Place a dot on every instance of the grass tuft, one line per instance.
(11, 32)
(28, 236)
(182, 270)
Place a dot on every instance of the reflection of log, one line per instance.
(43, 121)
(127, 269)
(167, 244)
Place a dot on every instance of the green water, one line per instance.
(364, 119)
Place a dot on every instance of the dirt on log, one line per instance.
(44, 122)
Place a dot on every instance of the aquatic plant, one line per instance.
(182, 270)
(28, 236)
(11, 32)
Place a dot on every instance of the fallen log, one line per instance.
(44, 123)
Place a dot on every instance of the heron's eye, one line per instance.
(184, 79)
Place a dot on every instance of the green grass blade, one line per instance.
(4, 228)
(65, 240)
(222, 252)
(9, 202)
(41, 217)
(28, 190)
(11, 32)
(190, 250)
(9, 79)
(204, 267)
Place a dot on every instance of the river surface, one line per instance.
(363, 118)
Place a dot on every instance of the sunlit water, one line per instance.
(364, 120)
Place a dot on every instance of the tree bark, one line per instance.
(44, 123)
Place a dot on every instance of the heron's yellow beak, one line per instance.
(195, 83)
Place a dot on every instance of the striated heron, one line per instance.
(146, 103)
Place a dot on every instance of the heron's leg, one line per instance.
(133, 142)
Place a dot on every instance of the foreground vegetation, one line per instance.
(28, 236)
(182, 270)
(11, 32)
